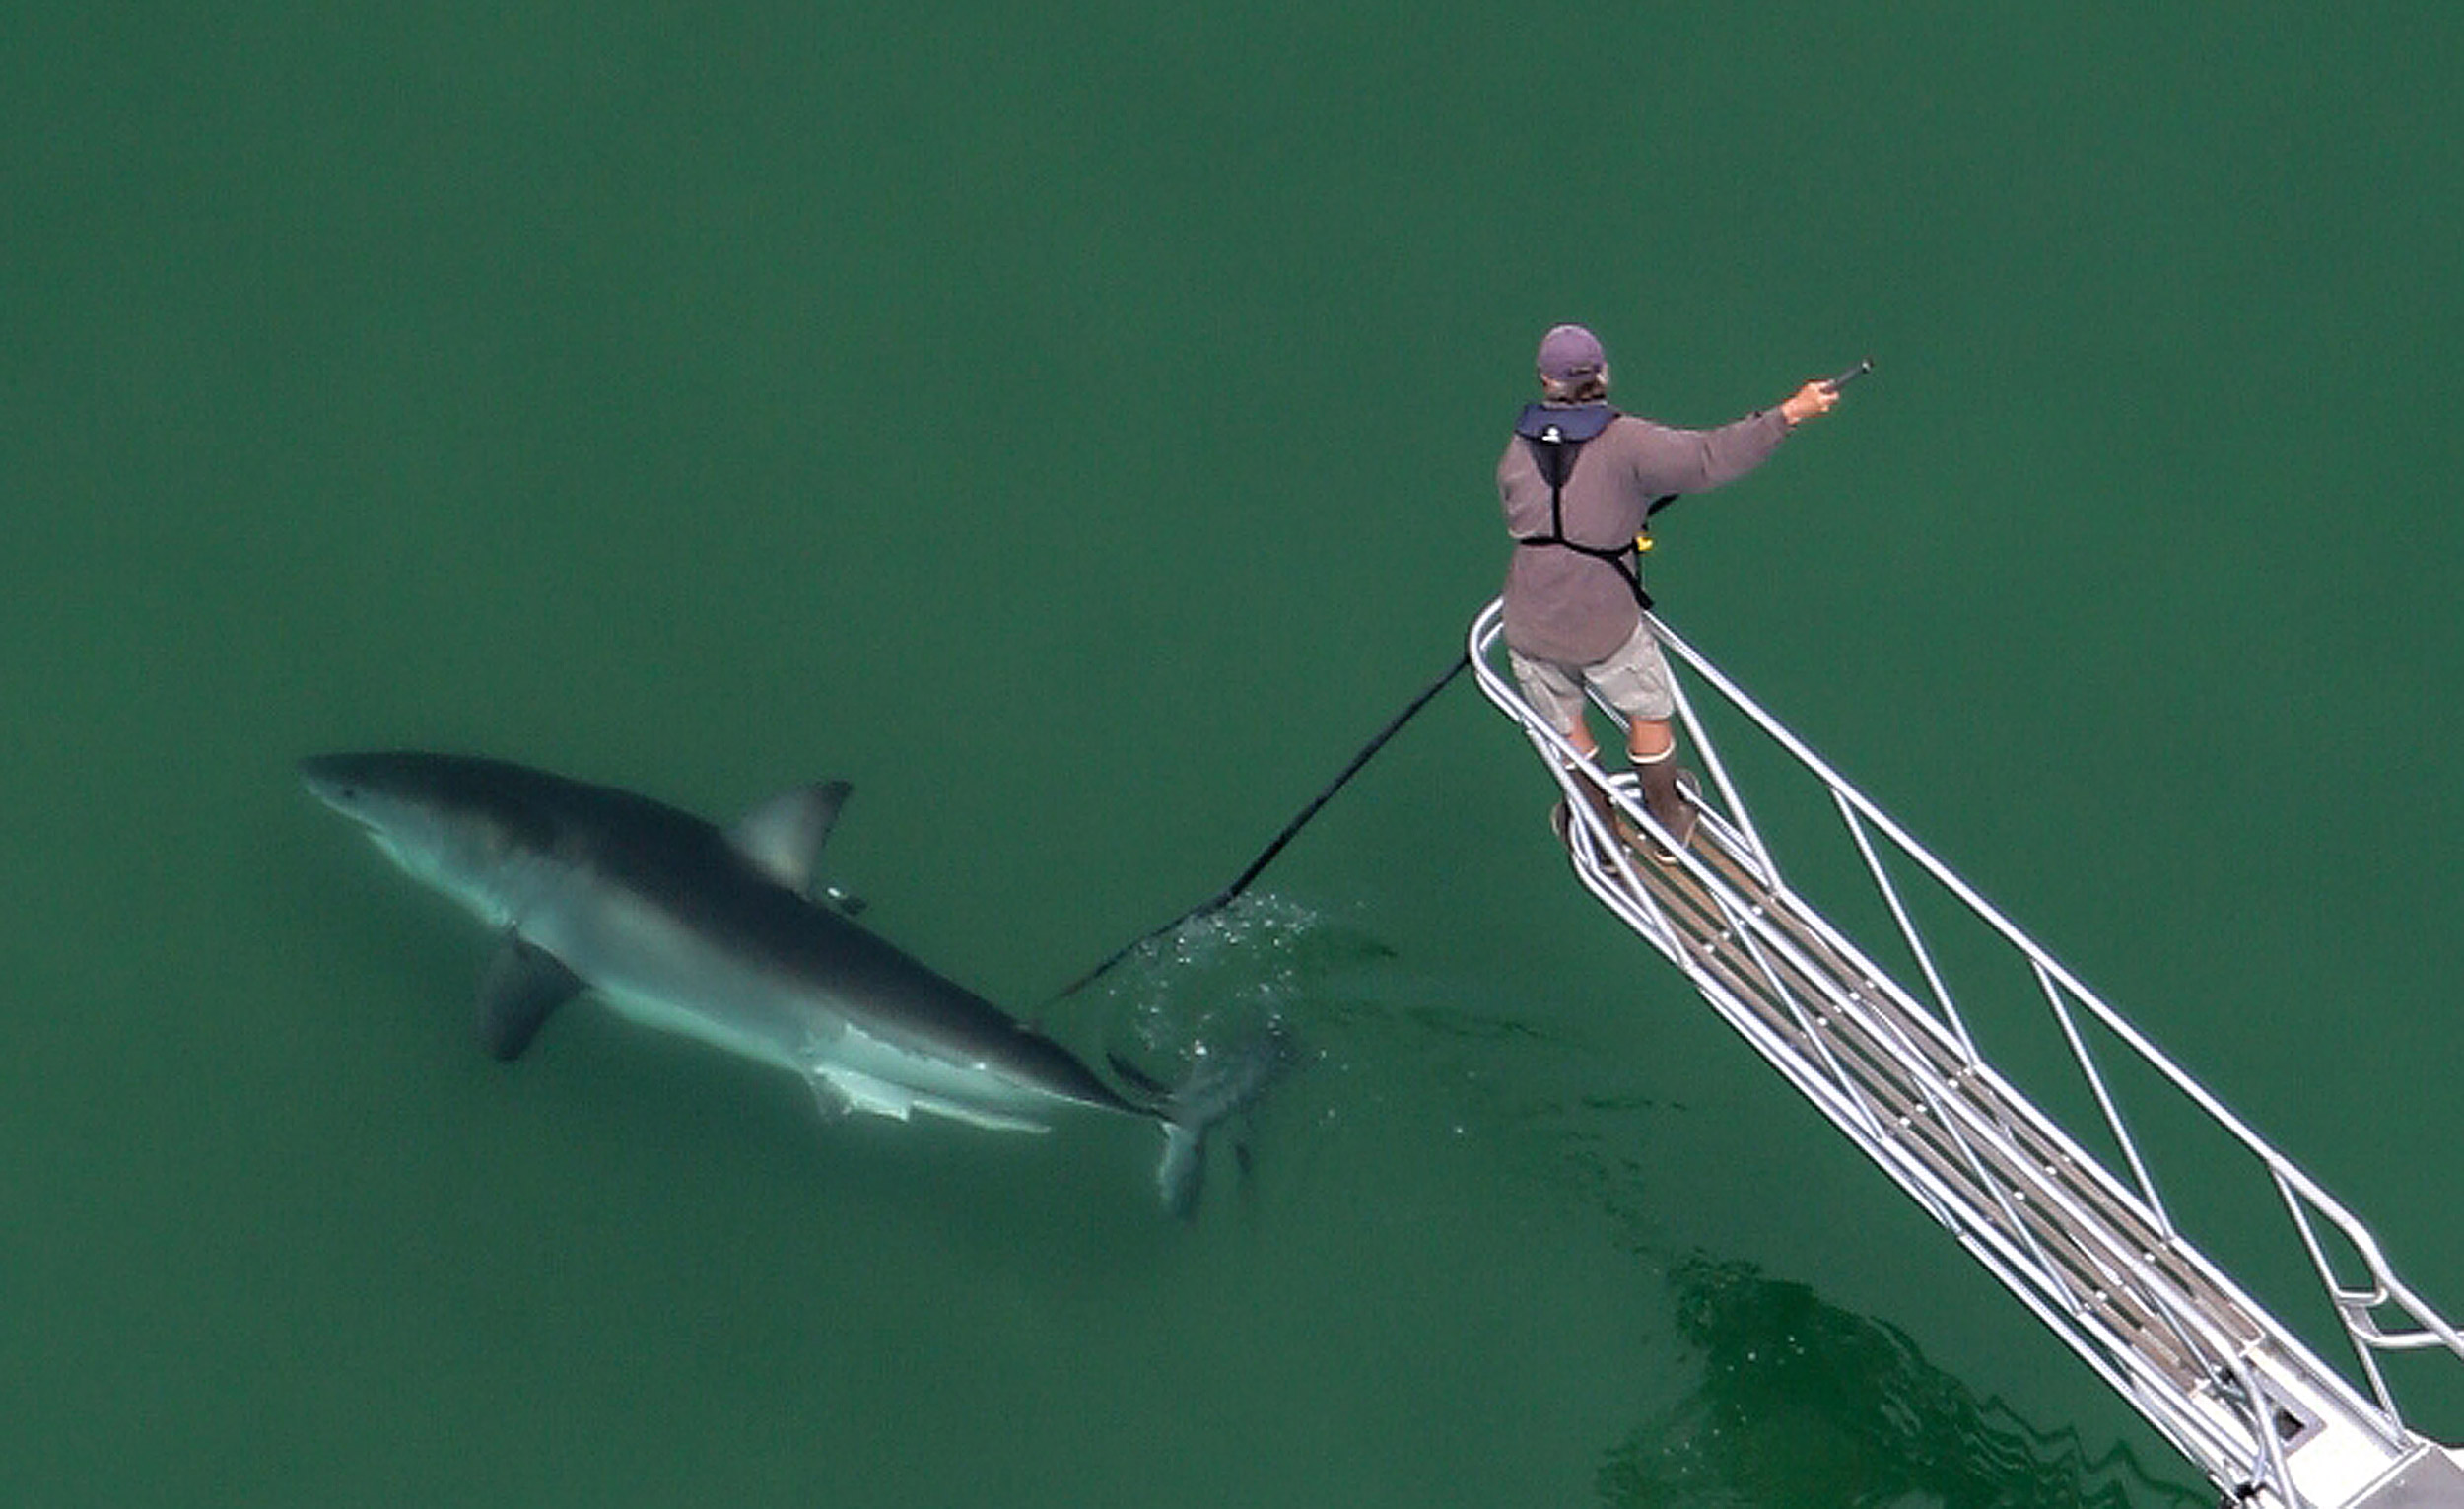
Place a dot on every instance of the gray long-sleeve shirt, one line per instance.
(1575, 609)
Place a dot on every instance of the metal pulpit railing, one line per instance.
(2092, 1249)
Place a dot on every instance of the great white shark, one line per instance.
(729, 937)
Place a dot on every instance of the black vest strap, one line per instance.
(1556, 436)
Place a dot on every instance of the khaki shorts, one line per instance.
(1633, 679)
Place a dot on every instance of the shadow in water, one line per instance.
(1802, 1403)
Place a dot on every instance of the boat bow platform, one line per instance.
(2084, 1241)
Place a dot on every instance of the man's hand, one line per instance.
(1816, 397)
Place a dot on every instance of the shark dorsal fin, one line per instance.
(783, 835)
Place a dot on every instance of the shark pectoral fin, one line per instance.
(783, 837)
(520, 988)
(845, 1091)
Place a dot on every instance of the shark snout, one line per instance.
(325, 781)
(338, 782)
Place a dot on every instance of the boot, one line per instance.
(1667, 796)
(1604, 810)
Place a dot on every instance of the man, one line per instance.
(1578, 481)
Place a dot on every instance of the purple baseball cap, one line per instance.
(1569, 352)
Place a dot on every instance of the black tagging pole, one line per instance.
(1257, 866)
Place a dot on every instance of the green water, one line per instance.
(1073, 425)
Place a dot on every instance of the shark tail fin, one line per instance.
(1222, 1086)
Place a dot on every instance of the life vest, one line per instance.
(1556, 435)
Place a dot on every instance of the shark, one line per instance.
(730, 938)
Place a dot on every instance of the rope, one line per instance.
(1232, 892)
